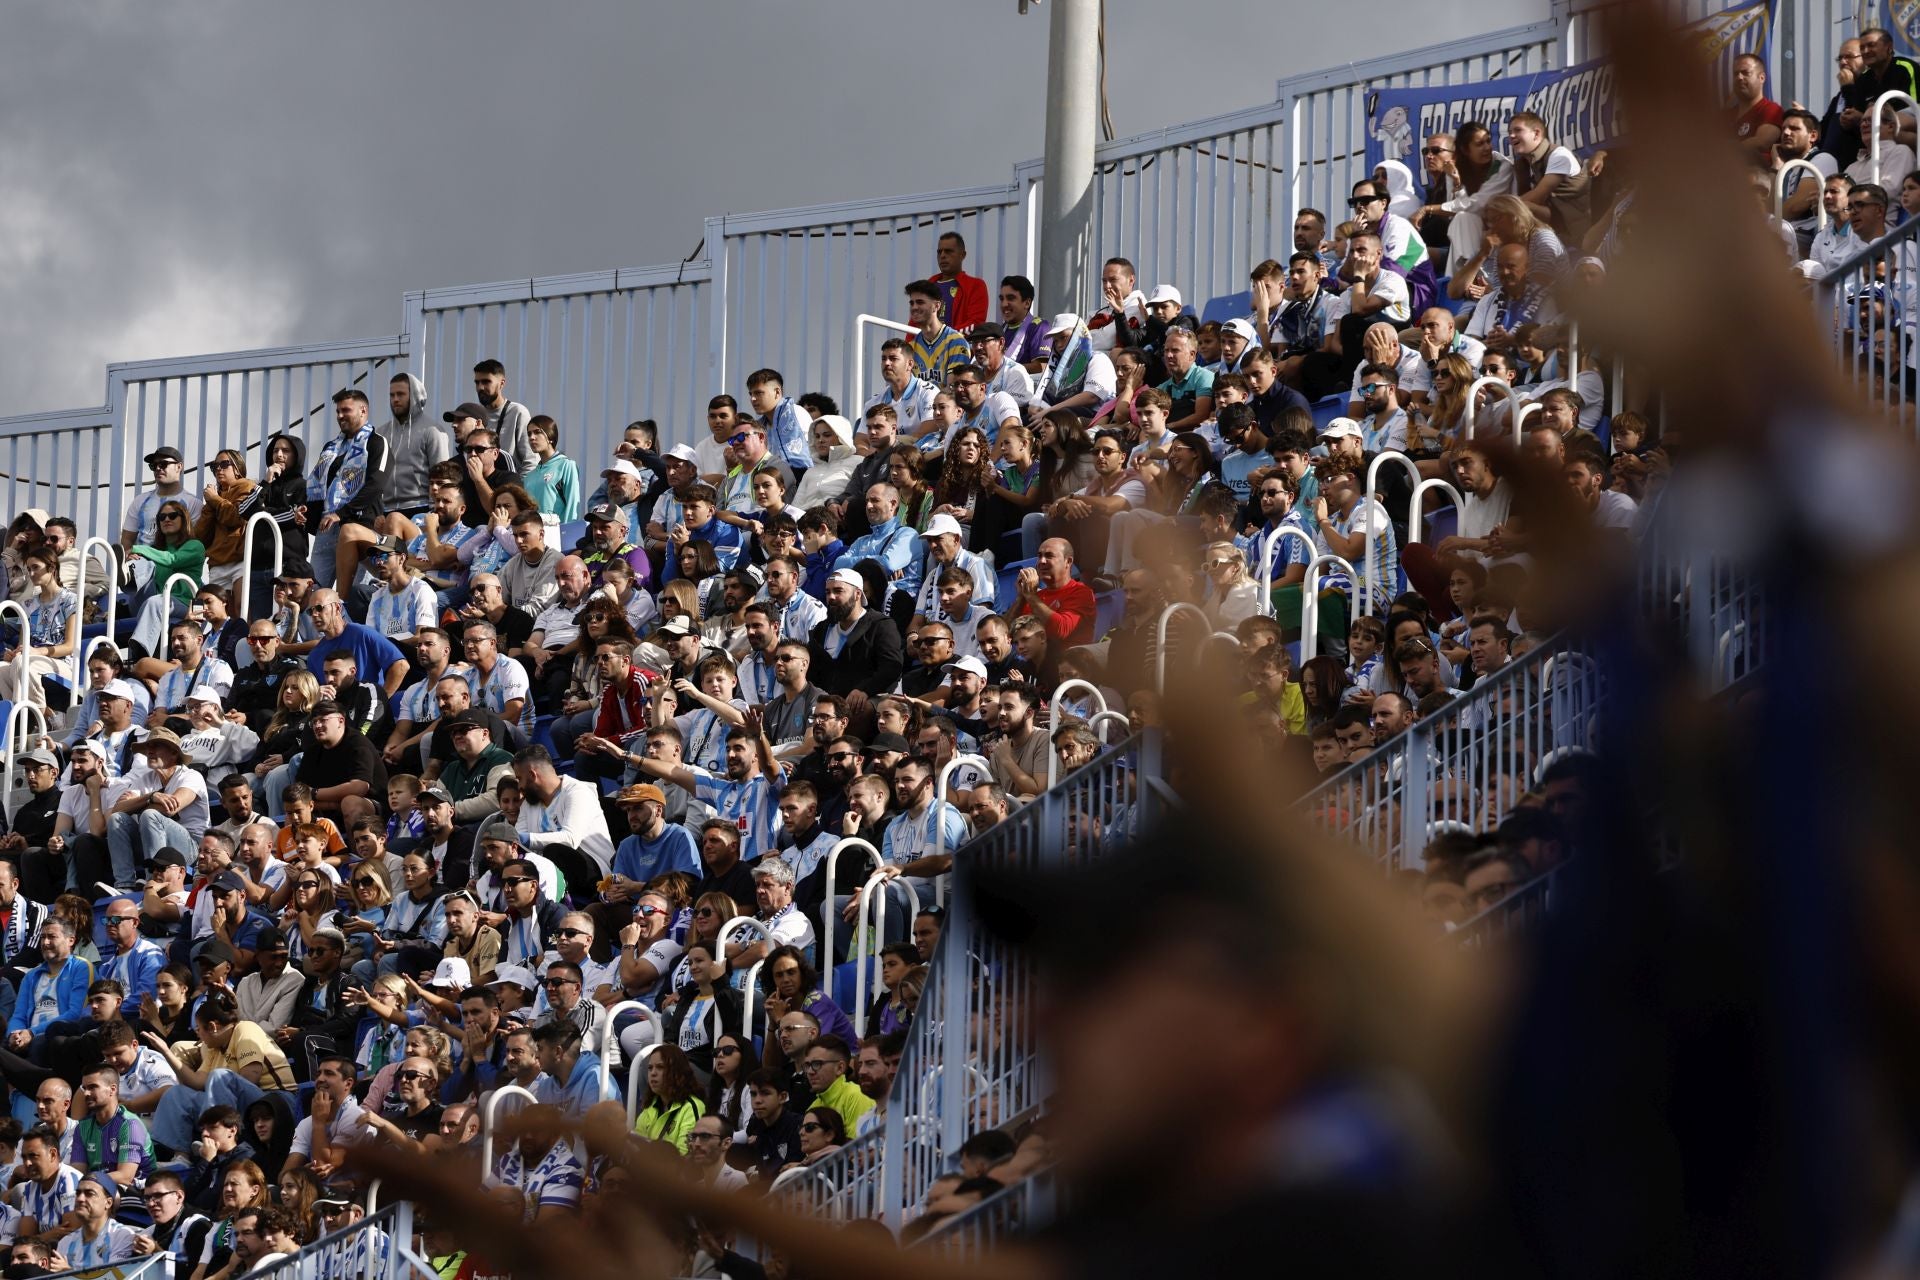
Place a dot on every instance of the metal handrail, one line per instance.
(1416, 510)
(940, 785)
(1391, 457)
(860, 325)
(1053, 719)
(1879, 105)
(749, 988)
(84, 682)
(878, 929)
(23, 659)
(1780, 191)
(608, 1036)
(829, 915)
(488, 1108)
(1310, 602)
(1268, 542)
(246, 559)
(1468, 409)
(1101, 718)
(1160, 645)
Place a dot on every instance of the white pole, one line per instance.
(1066, 189)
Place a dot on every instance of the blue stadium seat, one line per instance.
(6, 710)
(1327, 408)
(1227, 306)
(570, 534)
(1605, 432)
(1441, 522)
(1003, 584)
(846, 982)
(1108, 608)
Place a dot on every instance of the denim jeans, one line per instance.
(180, 1107)
(321, 556)
(134, 838)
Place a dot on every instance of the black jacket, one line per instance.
(869, 661)
(256, 689)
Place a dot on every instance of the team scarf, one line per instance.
(1066, 370)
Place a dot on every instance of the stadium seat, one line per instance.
(1108, 608)
(1327, 408)
(571, 533)
(1227, 306)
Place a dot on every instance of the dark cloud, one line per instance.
(198, 176)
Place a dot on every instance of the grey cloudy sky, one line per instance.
(207, 175)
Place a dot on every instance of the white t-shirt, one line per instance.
(913, 406)
(556, 625)
(1409, 366)
(1012, 381)
(1133, 489)
(193, 817)
(346, 1128)
(1614, 511)
(149, 1072)
(1563, 162)
(1417, 377)
(710, 456)
(143, 513)
(1393, 287)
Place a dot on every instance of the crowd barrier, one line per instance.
(378, 1247)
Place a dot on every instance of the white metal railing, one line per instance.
(109, 607)
(870, 923)
(941, 784)
(1053, 719)
(610, 1038)
(378, 1247)
(1269, 545)
(1391, 457)
(1870, 307)
(1469, 409)
(1310, 601)
(1161, 627)
(258, 518)
(24, 677)
(489, 1115)
(857, 389)
(1469, 764)
(1780, 193)
(1416, 509)
(830, 916)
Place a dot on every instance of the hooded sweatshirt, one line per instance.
(417, 444)
(221, 522)
(280, 496)
(823, 481)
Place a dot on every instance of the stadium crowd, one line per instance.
(510, 738)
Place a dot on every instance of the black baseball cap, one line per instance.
(884, 742)
(467, 410)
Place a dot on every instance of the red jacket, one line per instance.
(609, 723)
(1073, 608)
(965, 299)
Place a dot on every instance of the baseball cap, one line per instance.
(684, 452)
(204, 694)
(678, 625)
(466, 410)
(165, 453)
(465, 720)
(214, 948)
(271, 939)
(93, 745)
(388, 545)
(1240, 326)
(1339, 429)
(37, 756)
(605, 513)
(622, 468)
(519, 975)
(228, 882)
(986, 329)
(452, 971)
(295, 569)
(639, 793)
(849, 576)
(169, 858)
(501, 831)
(435, 793)
(885, 742)
(968, 663)
(1164, 293)
(942, 523)
(1065, 322)
(116, 689)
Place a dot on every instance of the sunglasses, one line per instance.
(648, 909)
(554, 984)
(123, 919)
(364, 882)
(261, 639)
(698, 911)
(306, 884)
(571, 933)
(1436, 151)
(413, 1075)
(726, 1051)
(811, 1127)
(477, 450)
(515, 881)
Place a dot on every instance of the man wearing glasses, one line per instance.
(136, 962)
(824, 1068)
(572, 943)
(371, 652)
(256, 686)
(707, 1145)
(176, 1231)
(750, 457)
(419, 1118)
(141, 524)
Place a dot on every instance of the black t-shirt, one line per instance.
(513, 629)
(419, 1126)
(475, 514)
(34, 819)
(354, 759)
(737, 884)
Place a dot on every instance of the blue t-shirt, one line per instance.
(372, 653)
(642, 860)
(1238, 466)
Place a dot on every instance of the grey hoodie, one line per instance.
(416, 445)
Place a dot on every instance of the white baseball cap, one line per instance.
(850, 577)
(117, 689)
(1241, 326)
(518, 975)
(205, 695)
(1065, 322)
(452, 972)
(969, 664)
(683, 451)
(97, 747)
(622, 468)
(942, 523)
(1164, 293)
(1340, 428)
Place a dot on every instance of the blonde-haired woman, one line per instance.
(1510, 221)
(1232, 597)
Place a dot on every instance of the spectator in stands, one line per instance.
(221, 521)
(1121, 319)
(1757, 118)
(1189, 386)
(553, 481)
(1548, 177)
(161, 804)
(561, 818)
(1519, 300)
(506, 419)
(1049, 592)
(825, 1071)
(855, 648)
(962, 298)
(1800, 192)
(784, 422)
(1492, 877)
(937, 348)
(346, 491)
(141, 524)
(672, 1099)
(372, 652)
(63, 540)
(1025, 336)
(1080, 377)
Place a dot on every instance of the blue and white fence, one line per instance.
(971, 1060)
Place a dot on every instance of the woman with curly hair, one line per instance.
(966, 480)
(671, 1100)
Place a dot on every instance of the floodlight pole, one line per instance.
(1066, 191)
